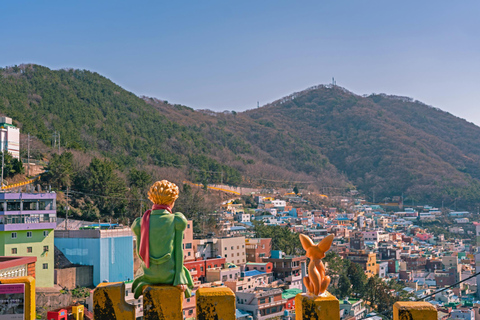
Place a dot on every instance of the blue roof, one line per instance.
(240, 313)
(103, 225)
(237, 228)
(253, 273)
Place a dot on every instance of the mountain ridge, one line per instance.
(379, 143)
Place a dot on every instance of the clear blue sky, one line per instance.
(225, 55)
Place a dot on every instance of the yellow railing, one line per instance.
(21, 184)
(165, 302)
(212, 188)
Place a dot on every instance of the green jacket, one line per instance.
(166, 252)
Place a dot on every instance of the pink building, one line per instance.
(188, 253)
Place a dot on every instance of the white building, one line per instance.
(9, 137)
(464, 314)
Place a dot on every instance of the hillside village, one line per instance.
(404, 253)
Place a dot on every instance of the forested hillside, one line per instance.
(385, 144)
(324, 138)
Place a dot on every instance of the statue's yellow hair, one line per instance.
(163, 192)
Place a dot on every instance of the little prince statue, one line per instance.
(159, 242)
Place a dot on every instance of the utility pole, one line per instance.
(66, 214)
(28, 154)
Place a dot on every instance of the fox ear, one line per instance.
(306, 241)
(326, 243)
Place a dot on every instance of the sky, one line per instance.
(226, 55)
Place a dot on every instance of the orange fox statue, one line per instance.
(317, 281)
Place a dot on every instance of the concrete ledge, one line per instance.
(410, 310)
(215, 303)
(325, 307)
(109, 302)
(30, 311)
(162, 302)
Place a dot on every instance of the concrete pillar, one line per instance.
(109, 302)
(162, 302)
(324, 307)
(215, 303)
(410, 310)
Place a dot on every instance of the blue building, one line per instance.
(109, 251)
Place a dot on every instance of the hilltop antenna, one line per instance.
(258, 104)
(334, 83)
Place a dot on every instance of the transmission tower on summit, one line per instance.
(334, 83)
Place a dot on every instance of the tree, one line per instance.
(357, 277)
(139, 178)
(344, 286)
(59, 171)
(295, 190)
(282, 238)
(12, 166)
(102, 182)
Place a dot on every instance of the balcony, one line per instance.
(272, 304)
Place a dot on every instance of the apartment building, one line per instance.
(232, 249)
(263, 303)
(257, 249)
(27, 223)
(287, 268)
(249, 280)
(368, 261)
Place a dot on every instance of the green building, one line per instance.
(27, 223)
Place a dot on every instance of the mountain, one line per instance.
(323, 138)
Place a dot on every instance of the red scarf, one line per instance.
(144, 251)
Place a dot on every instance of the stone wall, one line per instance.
(73, 277)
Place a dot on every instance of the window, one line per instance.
(29, 249)
(226, 256)
(13, 206)
(238, 247)
(14, 250)
(189, 253)
(238, 253)
(45, 248)
(225, 248)
(188, 226)
(29, 234)
(45, 233)
(232, 247)
(46, 205)
(45, 266)
(29, 205)
(188, 246)
(14, 235)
